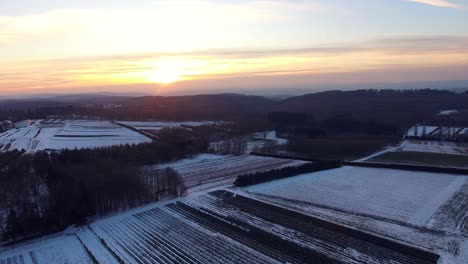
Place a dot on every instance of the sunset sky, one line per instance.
(60, 46)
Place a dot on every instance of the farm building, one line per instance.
(438, 133)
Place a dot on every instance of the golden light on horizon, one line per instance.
(167, 70)
(170, 70)
(165, 75)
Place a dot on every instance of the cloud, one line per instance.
(438, 3)
(410, 53)
(167, 26)
(421, 44)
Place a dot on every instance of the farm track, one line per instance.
(333, 236)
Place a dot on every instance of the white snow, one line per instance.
(434, 147)
(378, 153)
(61, 249)
(364, 198)
(393, 194)
(68, 134)
(426, 238)
(448, 112)
(422, 216)
(95, 246)
(158, 235)
(208, 170)
(393, 203)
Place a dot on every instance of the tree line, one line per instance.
(275, 174)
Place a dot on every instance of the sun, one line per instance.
(165, 74)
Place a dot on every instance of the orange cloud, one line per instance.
(382, 55)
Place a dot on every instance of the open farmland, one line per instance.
(208, 170)
(423, 158)
(161, 236)
(441, 147)
(345, 215)
(425, 209)
(453, 215)
(68, 134)
(404, 196)
(151, 128)
(310, 238)
(60, 249)
(219, 227)
(154, 126)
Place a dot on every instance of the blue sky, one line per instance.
(365, 17)
(58, 44)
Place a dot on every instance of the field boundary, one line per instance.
(148, 135)
(292, 157)
(286, 172)
(409, 167)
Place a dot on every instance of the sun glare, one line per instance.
(165, 74)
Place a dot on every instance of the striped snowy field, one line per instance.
(68, 134)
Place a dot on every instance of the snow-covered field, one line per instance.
(68, 134)
(159, 235)
(237, 226)
(154, 234)
(209, 170)
(410, 197)
(218, 227)
(60, 249)
(344, 215)
(434, 147)
(425, 209)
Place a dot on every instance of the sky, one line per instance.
(172, 46)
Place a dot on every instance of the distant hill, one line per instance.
(61, 101)
(210, 106)
(89, 99)
(403, 107)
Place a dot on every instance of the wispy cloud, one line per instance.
(166, 26)
(438, 3)
(410, 52)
